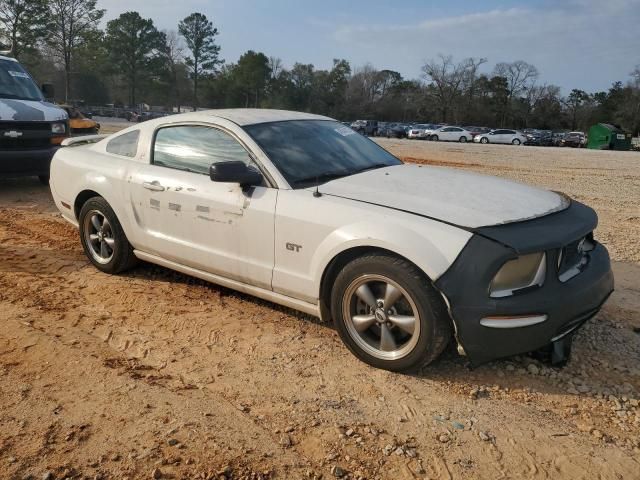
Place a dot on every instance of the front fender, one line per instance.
(430, 247)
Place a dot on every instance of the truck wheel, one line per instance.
(44, 179)
(103, 239)
(388, 314)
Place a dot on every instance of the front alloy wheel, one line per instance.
(484, 140)
(381, 317)
(388, 313)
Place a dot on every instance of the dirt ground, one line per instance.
(153, 374)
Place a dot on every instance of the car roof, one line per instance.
(248, 116)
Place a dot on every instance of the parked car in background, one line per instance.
(366, 127)
(382, 126)
(299, 210)
(501, 135)
(79, 124)
(542, 138)
(477, 130)
(398, 130)
(574, 139)
(451, 134)
(557, 138)
(418, 131)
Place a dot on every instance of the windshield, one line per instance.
(16, 83)
(309, 152)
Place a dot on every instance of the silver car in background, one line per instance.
(501, 135)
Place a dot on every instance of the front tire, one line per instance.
(515, 141)
(388, 314)
(103, 239)
(463, 139)
(484, 140)
(434, 138)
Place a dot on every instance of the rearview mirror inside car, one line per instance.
(235, 172)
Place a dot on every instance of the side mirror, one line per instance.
(235, 172)
(48, 91)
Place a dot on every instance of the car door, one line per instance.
(187, 218)
(454, 134)
(499, 136)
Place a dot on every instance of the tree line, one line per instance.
(131, 61)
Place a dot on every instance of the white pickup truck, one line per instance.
(300, 210)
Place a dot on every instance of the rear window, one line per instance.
(125, 144)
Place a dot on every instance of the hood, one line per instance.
(30, 111)
(465, 199)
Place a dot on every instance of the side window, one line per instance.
(194, 148)
(125, 144)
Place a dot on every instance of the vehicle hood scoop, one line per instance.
(460, 198)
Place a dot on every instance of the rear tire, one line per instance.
(103, 239)
(401, 324)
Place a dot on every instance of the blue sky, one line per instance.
(584, 44)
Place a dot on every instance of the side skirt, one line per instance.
(310, 308)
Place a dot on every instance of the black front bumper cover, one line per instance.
(567, 305)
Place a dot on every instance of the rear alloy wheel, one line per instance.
(103, 239)
(515, 141)
(484, 140)
(388, 314)
(463, 139)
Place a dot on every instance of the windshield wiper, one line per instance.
(321, 178)
(370, 167)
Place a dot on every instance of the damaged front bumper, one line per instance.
(538, 317)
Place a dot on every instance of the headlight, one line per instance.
(58, 128)
(523, 272)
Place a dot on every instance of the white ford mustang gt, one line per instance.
(300, 210)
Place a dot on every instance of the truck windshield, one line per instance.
(16, 83)
(310, 152)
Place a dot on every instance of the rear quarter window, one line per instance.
(125, 145)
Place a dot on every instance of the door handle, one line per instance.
(154, 186)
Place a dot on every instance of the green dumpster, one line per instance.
(605, 136)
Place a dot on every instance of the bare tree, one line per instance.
(173, 54)
(71, 22)
(520, 76)
(449, 79)
(275, 67)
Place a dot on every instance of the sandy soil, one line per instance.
(153, 374)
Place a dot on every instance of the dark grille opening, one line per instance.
(30, 126)
(24, 143)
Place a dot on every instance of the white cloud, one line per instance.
(577, 44)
